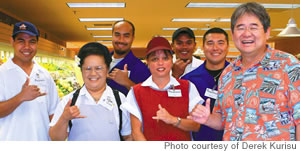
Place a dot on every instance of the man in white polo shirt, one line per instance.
(28, 95)
(184, 45)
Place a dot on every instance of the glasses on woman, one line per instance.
(89, 69)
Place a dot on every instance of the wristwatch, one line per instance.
(178, 122)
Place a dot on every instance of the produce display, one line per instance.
(64, 76)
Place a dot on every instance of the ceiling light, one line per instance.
(291, 30)
(105, 41)
(98, 28)
(101, 36)
(234, 5)
(212, 27)
(176, 28)
(193, 20)
(100, 19)
(71, 5)
(278, 29)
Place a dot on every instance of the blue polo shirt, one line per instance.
(139, 72)
(202, 80)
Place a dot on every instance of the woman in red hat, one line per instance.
(159, 106)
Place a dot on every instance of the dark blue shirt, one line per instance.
(139, 72)
(202, 80)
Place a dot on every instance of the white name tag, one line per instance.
(107, 103)
(211, 93)
(174, 93)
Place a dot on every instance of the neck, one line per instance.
(96, 94)
(211, 66)
(161, 82)
(117, 56)
(249, 59)
(26, 66)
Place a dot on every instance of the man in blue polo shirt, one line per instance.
(126, 70)
(206, 76)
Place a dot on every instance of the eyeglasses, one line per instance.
(251, 28)
(88, 69)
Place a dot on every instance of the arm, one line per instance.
(201, 114)
(121, 77)
(185, 124)
(128, 138)
(59, 131)
(28, 93)
(136, 125)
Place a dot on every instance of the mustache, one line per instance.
(122, 43)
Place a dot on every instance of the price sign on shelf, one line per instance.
(2, 54)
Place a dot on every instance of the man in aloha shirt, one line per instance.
(259, 93)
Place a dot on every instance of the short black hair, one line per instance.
(215, 30)
(127, 21)
(94, 48)
(251, 8)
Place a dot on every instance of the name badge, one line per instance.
(174, 93)
(107, 103)
(211, 93)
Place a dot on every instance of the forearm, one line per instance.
(59, 131)
(215, 121)
(127, 138)
(129, 84)
(298, 132)
(138, 136)
(7, 107)
(188, 125)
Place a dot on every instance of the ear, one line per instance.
(11, 40)
(268, 32)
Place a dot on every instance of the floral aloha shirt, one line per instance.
(261, 102)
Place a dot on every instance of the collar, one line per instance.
(84, 92)
(11, 65)
(149, 83)
(263, 61)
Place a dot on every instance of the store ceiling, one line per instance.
(148, 16)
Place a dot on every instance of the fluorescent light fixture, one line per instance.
(71, 5)
(193, 20)
(176, 28)
(200, 20)
(98, 28)
(212, 27)
(168, 36)
(278, 29)
(100, 19)
(104, 41)
(102, 36)
(234, 5)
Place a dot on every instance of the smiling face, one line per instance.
(25, 48)
(184, 46)
(122, 39)
(160, 63)
(249, 36)
(94, 71)
(215, 48)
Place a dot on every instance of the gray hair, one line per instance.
(254, 9)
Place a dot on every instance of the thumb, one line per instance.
(26, 82)
(69, 102)
(125, 68)
(207, 105)
(159, 106)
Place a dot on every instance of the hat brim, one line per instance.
(159, 48)
(25, 31)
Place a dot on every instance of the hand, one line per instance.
(163, 114)
(71, 112)
(30, 92)
(120, 76)
(179, 67)
(200, 113)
